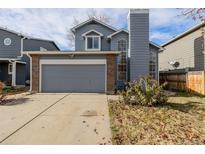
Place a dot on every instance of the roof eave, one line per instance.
(190, 30)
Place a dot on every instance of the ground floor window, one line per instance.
(122, 66)
(153, 65)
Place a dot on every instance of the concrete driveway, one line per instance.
(56, 119)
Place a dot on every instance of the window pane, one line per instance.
(122, 45)
(89, 43)
(96, 42)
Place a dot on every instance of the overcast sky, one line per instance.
(54, 23)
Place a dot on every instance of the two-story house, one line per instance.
(186, 49)
(14, 63)
(103, 58)
(94, 35)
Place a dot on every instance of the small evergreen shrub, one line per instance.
(145, 91)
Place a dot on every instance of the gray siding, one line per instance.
(34, 45)
(13, 50)
(4, 76)
(139, 44)
(116, 38)
(20, 74)
(80, 40)
(198, 53)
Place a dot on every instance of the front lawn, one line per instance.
(180, 121)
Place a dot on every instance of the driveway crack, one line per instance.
(34, 118)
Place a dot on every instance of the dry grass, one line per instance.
(181, 121)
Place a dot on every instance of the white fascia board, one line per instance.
(72, 61)
(184, 33)
(20, 62)
(72, 52)
(92, 30)
(122, 30)
(92, 19)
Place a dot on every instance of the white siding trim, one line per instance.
(13, 74)
(71, 62)
(92, 30)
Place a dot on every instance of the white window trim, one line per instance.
(99, 42)
(84, 34)
(10, 71)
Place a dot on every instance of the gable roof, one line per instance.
(117, 32)
(91, 20)
(190, 30)
(28, 37)
(92, 30)
(156, 45)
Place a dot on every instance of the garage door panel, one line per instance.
(73, 78)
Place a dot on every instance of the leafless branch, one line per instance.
(194, 13)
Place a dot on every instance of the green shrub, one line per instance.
(8, 89)
(145, 91)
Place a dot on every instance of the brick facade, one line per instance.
(111, 73)
(35, 73)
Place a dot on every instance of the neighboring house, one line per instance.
(187, 49)
(104, 56)
(14, 63)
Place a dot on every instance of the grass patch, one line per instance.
(180, 121)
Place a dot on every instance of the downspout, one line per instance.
(13, 76)
(30, 71)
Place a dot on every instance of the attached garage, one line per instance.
(82, 72)
(73, 77)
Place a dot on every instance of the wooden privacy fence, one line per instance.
(193, 81)
(196, 82)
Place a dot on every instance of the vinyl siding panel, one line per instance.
(80, 40)
(116, 38)
(34, 45)
(13, 50)
(139, 45)
(187, 51)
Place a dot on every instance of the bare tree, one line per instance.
(194, 13)
(91, 13)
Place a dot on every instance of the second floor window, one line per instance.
(92, 43)
(122, 45)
